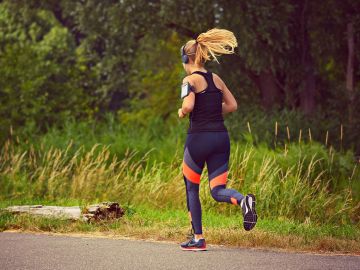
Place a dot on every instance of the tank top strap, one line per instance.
(208, 76)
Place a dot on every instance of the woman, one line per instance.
(207, 139)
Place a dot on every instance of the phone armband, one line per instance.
(186, 88)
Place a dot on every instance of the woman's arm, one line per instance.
(188, 102)
(229, 102)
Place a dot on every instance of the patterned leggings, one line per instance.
(214, 149)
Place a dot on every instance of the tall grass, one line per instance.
(306, 182)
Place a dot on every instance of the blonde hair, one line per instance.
(210, 44)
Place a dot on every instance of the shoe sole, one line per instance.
(250, 218)
(194, 249)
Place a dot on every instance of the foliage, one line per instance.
(84, 58)
(65, 64)
(41, 81)
(154, 84)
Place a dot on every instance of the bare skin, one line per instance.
(199, 84)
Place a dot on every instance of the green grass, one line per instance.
(303, 183)
(145, 222)
(308, 194)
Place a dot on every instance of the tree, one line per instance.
(40, 79)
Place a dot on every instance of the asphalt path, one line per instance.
(43, 251)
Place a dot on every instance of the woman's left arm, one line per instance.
(188, 102)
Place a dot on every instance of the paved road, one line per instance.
(41, 251)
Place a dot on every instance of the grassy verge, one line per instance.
(308, 194)
(305, 182)
(146, 222)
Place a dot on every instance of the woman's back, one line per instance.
(207, 112)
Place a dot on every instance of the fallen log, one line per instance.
(95, 212)
(71, 212)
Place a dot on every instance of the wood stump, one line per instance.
(103, 211)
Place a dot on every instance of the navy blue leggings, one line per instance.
(214, 149)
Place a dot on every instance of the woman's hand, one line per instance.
(181, 114)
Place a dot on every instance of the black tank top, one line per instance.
(207, 112)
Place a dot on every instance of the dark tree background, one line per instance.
(81, 59)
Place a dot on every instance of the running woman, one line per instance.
(207, 138)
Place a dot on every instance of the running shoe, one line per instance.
(193, 245)
(249, 213)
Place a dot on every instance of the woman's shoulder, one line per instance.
(192, 78)
(218, 81)
(189, 78)
(216, 77)
(197, 81)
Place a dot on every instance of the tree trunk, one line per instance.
(269, 90)
(350, 71)
(308, 90)
(308, 84)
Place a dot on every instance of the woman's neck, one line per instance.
(196, 68)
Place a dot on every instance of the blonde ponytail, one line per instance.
(210, 44)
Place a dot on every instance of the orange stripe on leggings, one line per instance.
(233, 200)
(190, 174)
(218, 180)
